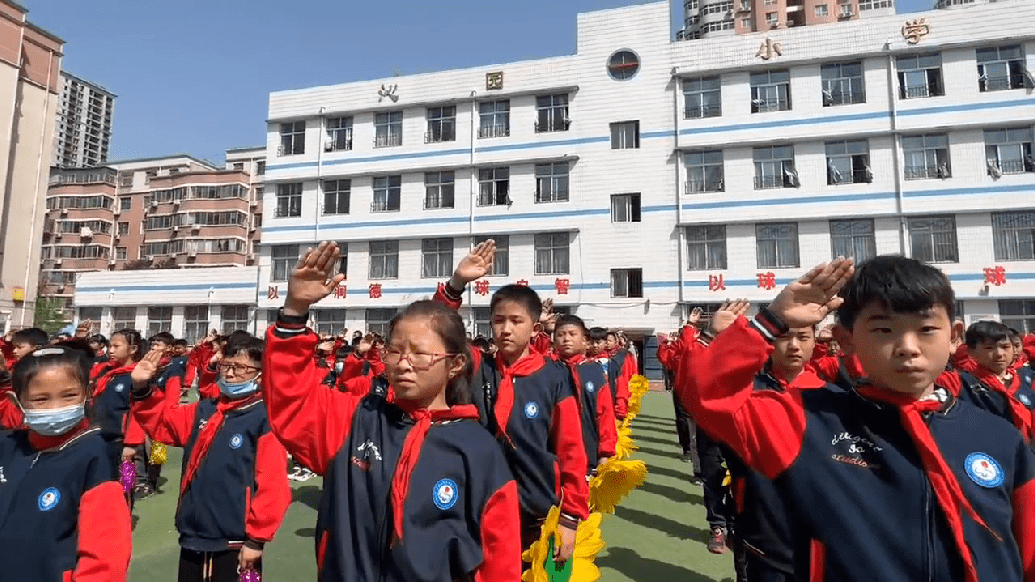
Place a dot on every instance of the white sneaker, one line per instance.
(293, 475)
(305, 475)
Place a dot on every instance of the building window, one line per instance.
(482, 322)
(123, 229)
(625, 207)
(777, 245)
(770, 91)
(378, 320)
(283, 260)
(551, 182)
(123, 318)
(821, 10)
(774, 167)
(343, 262)
(853, 239)
(772, 18)
(494, 119)
(441, 124)
(289, 200)
(920, 76)
(704, 171)
(195, 323)
(706, 247)
(551, 113)
(339, 134)
(1008, 151)
(438, 189)
(292, 138)
(121, 254)
(927, 156)
(874, 4)
(702, 97)
(384, 259)
(933, 239)
(842, 84)
(436, 258)
(625, 135)
(387, 192)
(126, 181)
(494, 187)
(125, 202)
(260, 167)
(1002, 68)
(551, 253)
(1013, 236)
(159, 319)
(1018, 314)
(238, 166)
(626, 282)
(388, 128)
(336, 196)
(233, 318)
(501, 257)
(623, 65)
(848, 162)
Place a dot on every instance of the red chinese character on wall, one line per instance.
(767, 280)
(562, 286)
(716, 283)
(273, 292)
(523, 283)
(341, 292)
(481, 287)
(995, 276)
(375, 291)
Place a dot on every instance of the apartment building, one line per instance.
(711, 18)
(82, 136)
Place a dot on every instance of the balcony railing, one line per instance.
(699, 111)
(769, 182)
(843, 98)
(388, 140)
(440, 136)
(553, 125)
(487, 131)
(767, 105)
(384, 206)
(926, 172)
(1002, 83)
(1015, 166)
(699, 186)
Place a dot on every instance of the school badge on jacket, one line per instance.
(49, 499)
(444, 494)
(531, 410)
(984, 470)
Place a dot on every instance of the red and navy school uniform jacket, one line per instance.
(63, 514)
(625, 369)
(109, 410)
(1014, 402)
(542, 434)
(852, 480)
(234, 486)
(599, 433)
(458, 499)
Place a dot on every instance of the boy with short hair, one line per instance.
(529, 404)
(625, 367)
(992, 383)
(25, 341)
(896, 478)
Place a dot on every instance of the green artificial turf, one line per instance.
(658, 533)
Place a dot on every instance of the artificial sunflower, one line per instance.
(638, 386)
(588, 543)
(159, 453)
(613, 481)
(625, 445)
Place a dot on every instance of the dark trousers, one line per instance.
(712, 475)
(147, 474)
(210, 566)
(758, 570)
(686, 431)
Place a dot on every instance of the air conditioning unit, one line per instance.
(57, 262)
(149, 257)
(64, 212)
(846, 11)
(118, 210)
(195, 228)
(86, 232)
(192, 253)
(176, 228)
(154, 203)
(176, 204)
(328, 144)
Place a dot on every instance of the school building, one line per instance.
(642, 176)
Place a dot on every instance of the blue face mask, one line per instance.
(238, 389)
(55, 421)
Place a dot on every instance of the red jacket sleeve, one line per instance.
(352, 367)
(270, 500)
(566, 439)
(826, 367)
(105, 539)
(962, 360)
(606, 426)
(765, 428)
(208, 386)
(11, 416)
(1024, 527)
(312, 419)
(132, 433)
(1028, 345)
(501, 548)
(171, 424)
(441, 297)
(622, 387)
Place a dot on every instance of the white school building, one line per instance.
(642, 176)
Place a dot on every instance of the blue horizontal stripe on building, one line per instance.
(168, 287)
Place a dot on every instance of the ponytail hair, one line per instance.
(135, 341)
(447, 324)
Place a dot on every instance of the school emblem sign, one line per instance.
(915, 30)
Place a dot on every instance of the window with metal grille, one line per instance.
(854, 239)
(842, 84)
(378, 320)
(233, 318)
(388, 129)
(387, 193)
(626, 282)
(706, 247)
(289, 200)
(1013, 236)
(329, 321)
(848, 162)
(159, 319)
(494, 119)
(625, 207)
(1008, 151)
(195, 323)
(774, 167)
(1002, 68)
(441, 124)
(704, 172)
(933, 239)
(777, 245)
(552, 113)
(926, 156)
(1018, 314)
(702, 97)
(770, 91)
(123, 318)
(920, 76)
(339, 133)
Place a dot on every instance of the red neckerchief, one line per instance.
(105, 379)
(1018, 412)
(43, 443)
(805, 380)
(422, 421)
(1022, 359)
(946, 487)
(525, 366)
(208, 434)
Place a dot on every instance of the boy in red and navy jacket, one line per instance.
(234, 491)
(896, 478)
(529, 404)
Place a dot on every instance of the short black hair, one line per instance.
(898, 284)
(568, 319)
(33, 336)
(251, 346)
(983, 331)
(181, 342)
(482, 343)
(99, 339)
(522, 295)
(135, 340)
(238, 335)
(1014, 334)
(164, 337)
(344, 351)
(72, 356)
(597, 334)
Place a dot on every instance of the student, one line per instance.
(896, 478)
(529, 404)
(1019, 357)
(415, 489)
(109, 401)
(625, 367)
(598, 352)
(25, 341)
(99, 345)
(599, 432)
(62, 512)
(993, 384)
(234, 491)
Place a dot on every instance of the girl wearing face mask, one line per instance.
(109, 402)
(234, 491)
(62, 514)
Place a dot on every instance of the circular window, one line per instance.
(623, 65)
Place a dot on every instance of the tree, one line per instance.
(49, 314)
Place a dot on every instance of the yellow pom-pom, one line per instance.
(625, 445)
(589, 541)
(540, 549)
(159, 453)
(614, 480)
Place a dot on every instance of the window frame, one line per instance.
(436, 256)
(283, 260)
(388, 129)
(702, 101)
(224, 320)
(841, 87)
(929, 232)
(864, 238)
(548, 250)
(775, 80)
(627, 283)
(501, 257)
(853, 156)
(552, 182)
(933, 149)
(439, 190)
(1014, 138)
(387, 194)
(491, 186)
(933, 85)
(289, 200)
(337, 196)
(626, 208)
(787, 177)
(387, 255)
(339, 130)
(701, 167)
(292, 138)
(498, 121)
(1012, 241)
(1015, 68)
(620, 137)
(159, 323)
(708, 244)
(195, 323)
(780, 260)
(1020, 314)
(441, 122)
(552, 113)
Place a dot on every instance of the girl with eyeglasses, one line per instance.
(234, 491)
(414, 489)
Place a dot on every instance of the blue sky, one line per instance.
(194, 76)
